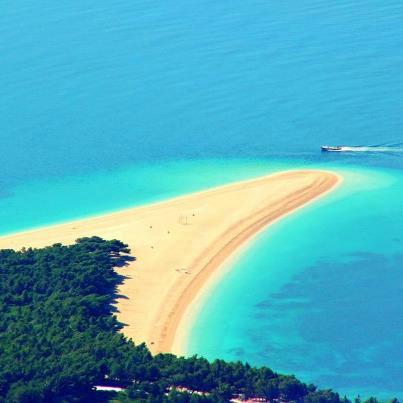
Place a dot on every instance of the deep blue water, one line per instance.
(107, 105)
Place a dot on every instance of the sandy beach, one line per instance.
(180, 243)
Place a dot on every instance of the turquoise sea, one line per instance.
(104, 106)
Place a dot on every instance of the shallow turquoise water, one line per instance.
(70, 197)
(319, 293)
(105, 106)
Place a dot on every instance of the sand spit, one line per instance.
(181, 242)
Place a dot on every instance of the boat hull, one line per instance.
(329, 149)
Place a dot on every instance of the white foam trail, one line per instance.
(373, 149)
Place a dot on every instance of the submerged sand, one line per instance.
(179, 243)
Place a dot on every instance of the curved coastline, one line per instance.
(182, 243)
(179, 323)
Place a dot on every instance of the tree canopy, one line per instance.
(59, 338)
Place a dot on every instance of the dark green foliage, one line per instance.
(57, 333)
(59, 338)
(324, 396)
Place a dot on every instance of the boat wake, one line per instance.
(378, 149)
(390, 148)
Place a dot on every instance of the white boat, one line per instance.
(332, 148)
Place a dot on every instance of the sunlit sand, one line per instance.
(179, 243)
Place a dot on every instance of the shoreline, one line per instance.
(153, 203)
(181, 244)
(189, 315)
